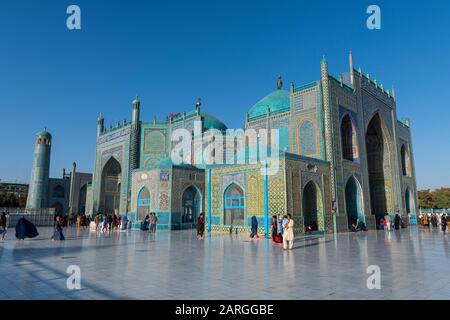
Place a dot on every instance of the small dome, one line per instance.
(211, 122)
(278, 100)
(44, 134)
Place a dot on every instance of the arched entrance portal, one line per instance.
(353, 201)
(380, 168)
(143, 204)
(409, 201)
(82, 200)
(191, 205)
(313, 207)
(234, 205)
(110, 187)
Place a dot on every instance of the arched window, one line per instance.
(406, 164)
(143, 204)
(307, 139)
(58, 192)
(234, 205)
(349, 139)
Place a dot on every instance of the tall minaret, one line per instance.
(135, 135)
(100, 125)
(328, 123)
(352, 72)
(38, 189)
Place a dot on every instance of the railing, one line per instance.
(39, 217)
(434, 211)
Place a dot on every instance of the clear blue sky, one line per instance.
(227, 52)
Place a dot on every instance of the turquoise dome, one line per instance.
(44, 134)
(211, 122)
(278, 100)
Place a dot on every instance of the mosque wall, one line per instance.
(113, 145)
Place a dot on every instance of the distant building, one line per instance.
(66, 194)
(19, 190)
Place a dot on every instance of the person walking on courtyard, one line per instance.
(444, 223)
(200, 226)
(154, 221)
(387, 222)
(288, 234)
(58, 234)
(119, 222)
(254, 233)
(105, 223)
(280, 228)
(275, 234)
(3, 227)
(110, 223)
(96, 221)
(397, 222)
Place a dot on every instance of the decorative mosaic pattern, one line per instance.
(255, 195)
(163, 201)
(277, 199)
(216, 196)
(154, 140)
(307, 139)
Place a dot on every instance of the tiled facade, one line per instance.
(339, 139)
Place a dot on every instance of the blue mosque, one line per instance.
(343, 155)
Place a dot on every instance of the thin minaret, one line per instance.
(38, 189)
(135, 135)
(352, 73)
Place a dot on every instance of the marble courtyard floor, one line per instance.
(414, 263)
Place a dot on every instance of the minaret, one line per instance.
(38, 189)
(328, 123)
(135, 135)
(352, 73)
(100, 125)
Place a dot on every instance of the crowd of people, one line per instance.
(435, 221)
(387, 224)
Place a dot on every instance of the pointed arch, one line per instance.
(110, 187)
(191, 204)
(380, 169)
(354, 200)
(234, 205)
(143, 203)
(409, 202)
(312, 205)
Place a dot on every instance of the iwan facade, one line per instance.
(343, 155)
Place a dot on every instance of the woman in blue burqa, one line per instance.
(58, 234)
(25, 229)
(254, 228)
